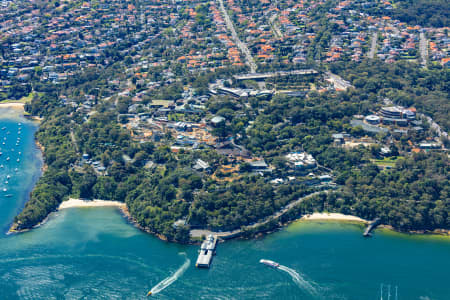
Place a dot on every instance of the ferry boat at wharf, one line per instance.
(206, 252)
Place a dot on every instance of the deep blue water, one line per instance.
(93, 253)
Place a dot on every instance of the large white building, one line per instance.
(301, 160)
(397, 112)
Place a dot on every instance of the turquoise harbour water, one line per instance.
(93, 253)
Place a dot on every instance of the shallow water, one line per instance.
(93, 253)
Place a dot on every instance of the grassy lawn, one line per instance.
(387, 161)
(24, 99)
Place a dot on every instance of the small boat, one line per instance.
(6, 182)
(17, 170)
(149, 293)
(3, 128)
(7, 158)
(5, 190)
(1, 166)
(269, 263)
(8, 176)
(20, 124)
(8, 195)
(18, 159)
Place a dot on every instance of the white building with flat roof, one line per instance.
(301, 160)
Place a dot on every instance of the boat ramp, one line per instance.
(206, 252)
(371, 227)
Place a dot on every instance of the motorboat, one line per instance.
(269, 263)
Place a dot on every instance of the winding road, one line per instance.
(196, 233)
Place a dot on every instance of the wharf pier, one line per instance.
(206, 252)
(372, 225)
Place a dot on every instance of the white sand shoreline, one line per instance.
(16, 105)
(15, 111)
(90, 203)
(333, 216)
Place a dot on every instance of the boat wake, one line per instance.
(300, 280)
(171, 279)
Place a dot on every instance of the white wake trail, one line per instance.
(299, 280)
(171, 279)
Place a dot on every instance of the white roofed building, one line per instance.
(301, 160)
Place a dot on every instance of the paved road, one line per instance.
(435, 126)
(74, 140)
(423, 47)
(275, 74)
(242, 46)
(285, 209)
(203, 232)
(373, 47)
(338, 82)
(276, 30)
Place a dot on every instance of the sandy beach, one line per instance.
(90, 203)
(12, 110)
(332, 216)
(14, 105)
